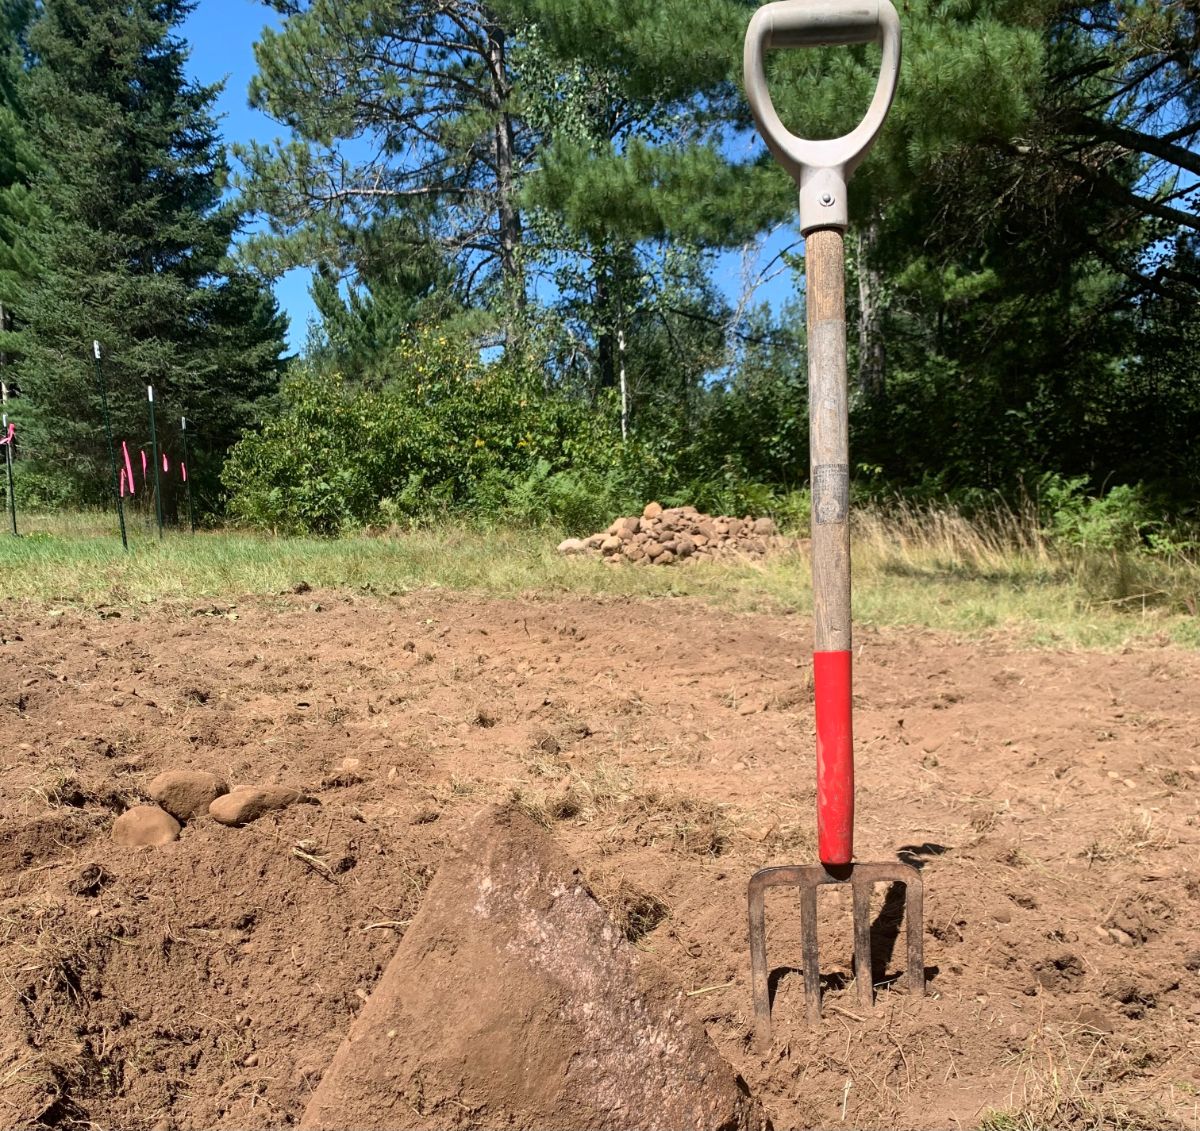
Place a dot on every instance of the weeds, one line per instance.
(1060, 1082)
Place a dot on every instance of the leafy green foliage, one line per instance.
(445, 434)
(1122, 519)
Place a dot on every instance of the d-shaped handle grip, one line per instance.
(821, 168)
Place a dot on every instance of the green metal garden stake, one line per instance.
(186, 477)
(112, 451)
(157, 469)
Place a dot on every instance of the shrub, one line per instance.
(1123, 519)
(445, 434)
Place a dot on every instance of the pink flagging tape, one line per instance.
(183, 470)
(7, 438)
(128, 466)
(166, 467)
(143, 465)
(122, 483)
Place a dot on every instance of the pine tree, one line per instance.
(18, 207)
(400, 111)
(133, 246)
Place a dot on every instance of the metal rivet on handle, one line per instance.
(826, 199)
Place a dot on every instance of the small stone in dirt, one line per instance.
(1191, 960)
(90, 880)
(652, 510)
(248, 802)
(186, 793)
(301, 587)
(572, 546)
(144, 825)
(1121, 938)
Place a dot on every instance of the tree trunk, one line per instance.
(606, 356)
(504, 147)
(872, 357)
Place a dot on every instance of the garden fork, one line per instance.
(821, 170)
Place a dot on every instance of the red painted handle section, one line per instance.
(835, 757)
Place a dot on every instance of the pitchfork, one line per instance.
(821, 170)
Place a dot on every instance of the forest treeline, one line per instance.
(519, 217)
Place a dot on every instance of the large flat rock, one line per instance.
(513, 1000)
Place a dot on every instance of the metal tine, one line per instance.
(863, 975)
(808, 877)
(812, 966)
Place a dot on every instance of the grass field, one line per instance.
(929, 569)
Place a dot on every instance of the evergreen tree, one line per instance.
(133, 247)
(18, 207)
(400, 113)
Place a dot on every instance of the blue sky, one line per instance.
(222, 33)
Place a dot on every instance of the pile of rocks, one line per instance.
(677, 535)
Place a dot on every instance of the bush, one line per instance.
(1122, 520)
(41, 486)
(445, 434)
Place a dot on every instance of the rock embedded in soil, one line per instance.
(249, 802)
(186, 793)
(145, 825)
(515, 998)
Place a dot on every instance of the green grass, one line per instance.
(909, 571)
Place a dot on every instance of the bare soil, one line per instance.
(1050, 797)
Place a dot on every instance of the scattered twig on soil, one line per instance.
(387, 924)
(710, 989)
(844, 1012)
(904, 1059)
(315, 863)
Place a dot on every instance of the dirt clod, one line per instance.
(89, 880)
(538, 1014)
